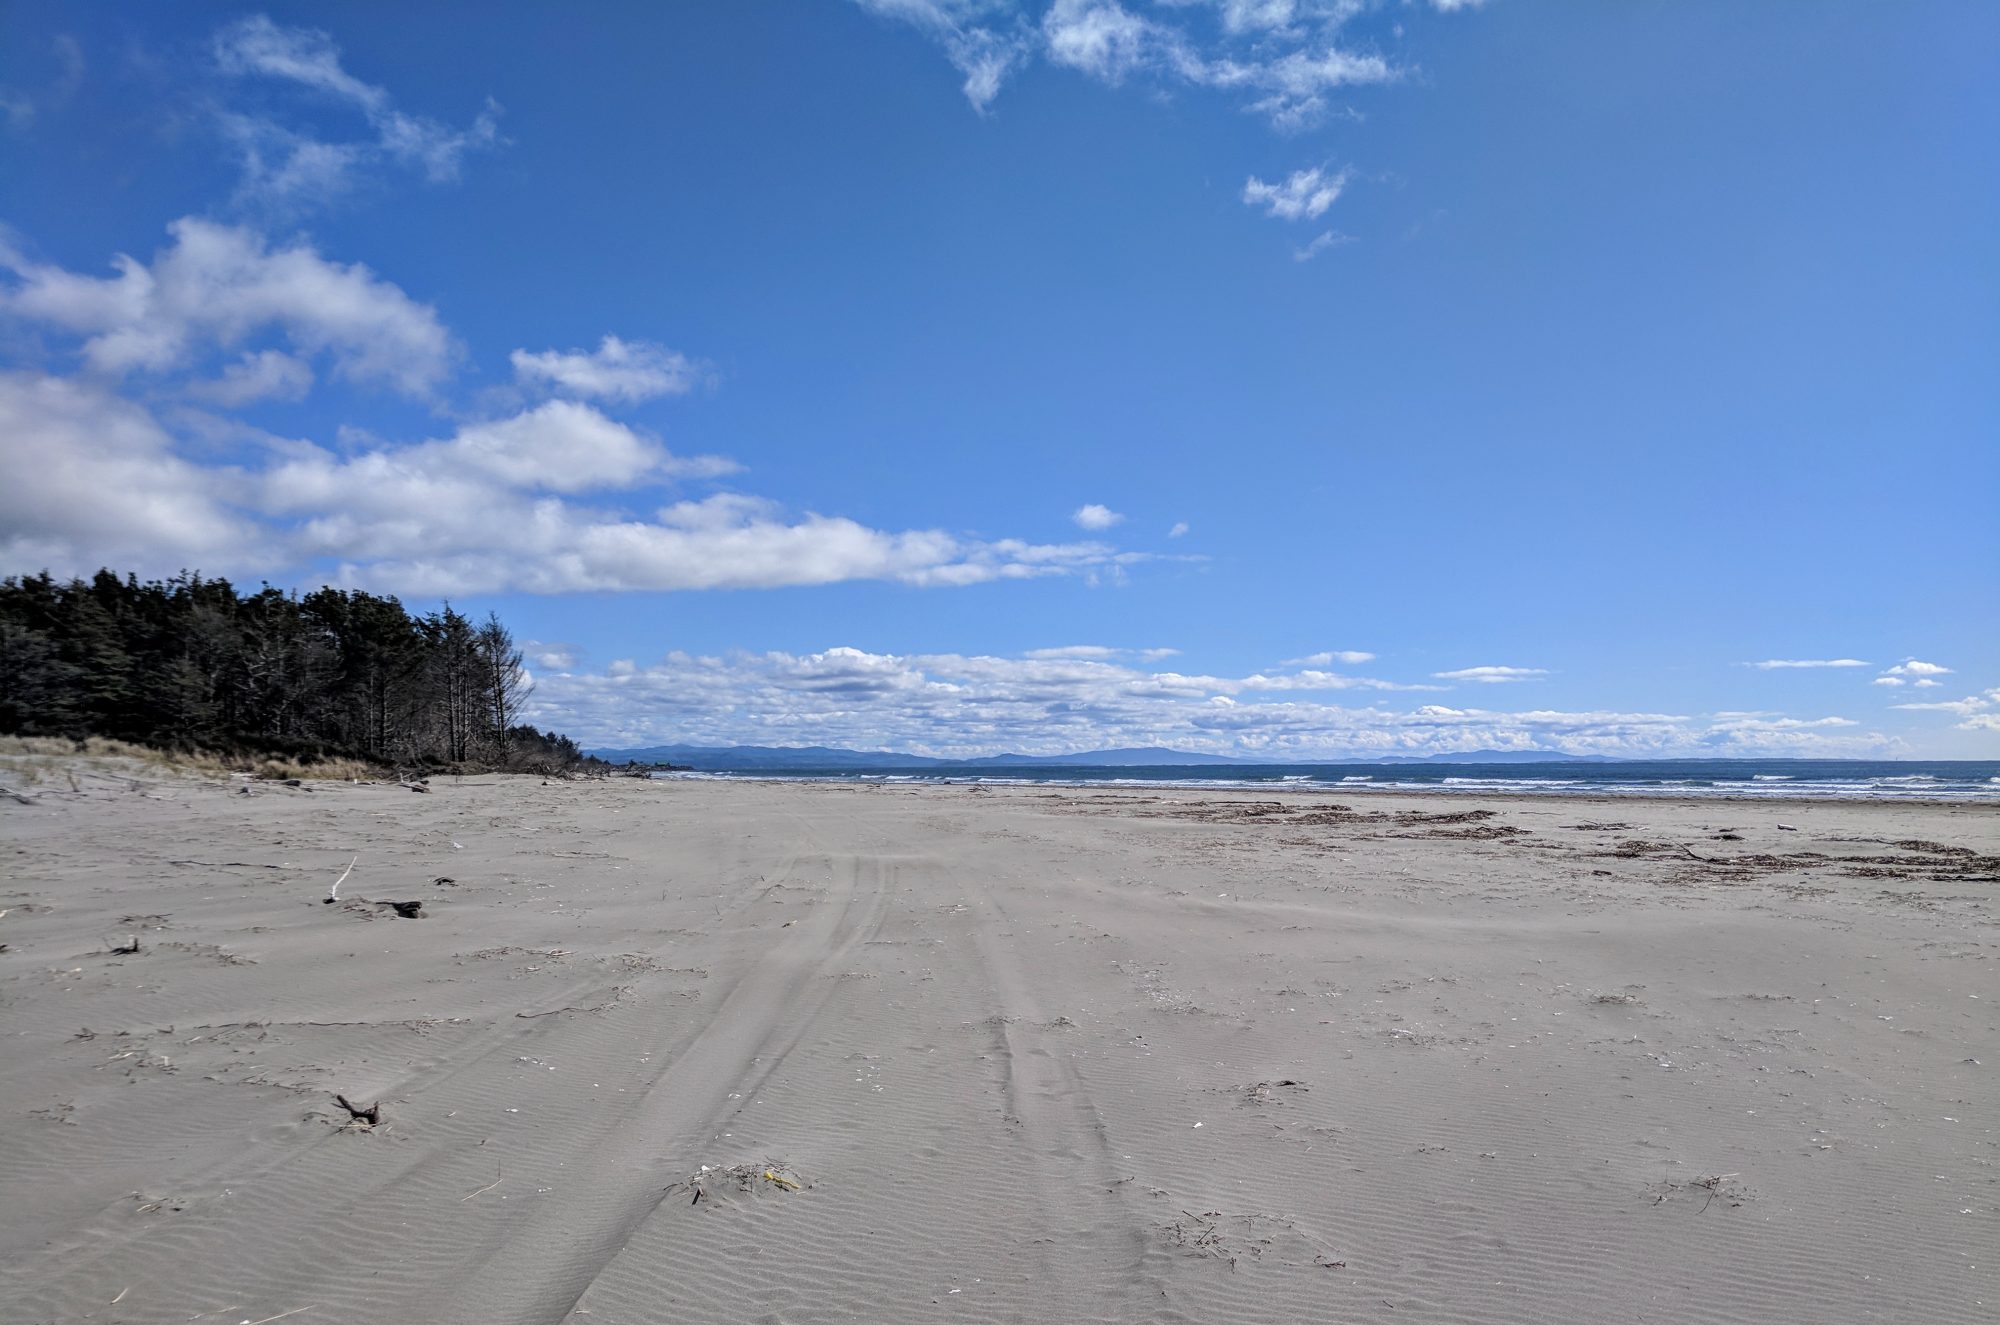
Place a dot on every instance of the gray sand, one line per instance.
(1005, 1055)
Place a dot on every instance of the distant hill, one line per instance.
(755, 758)
(1130, 757)
(1497, 757)
(747, 758)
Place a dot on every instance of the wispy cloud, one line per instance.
(1774, 664)
(291, 169)
(1493, 675)
(1304, 195)
(1179, 529)
(1352, 657)
(1325, 240)
(1285, 57)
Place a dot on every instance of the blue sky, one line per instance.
(1258, 376)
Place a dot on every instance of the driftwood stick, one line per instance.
(370, 1115)
(333, 893)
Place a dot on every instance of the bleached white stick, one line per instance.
(333, 893)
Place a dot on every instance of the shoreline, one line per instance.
(1327, 789)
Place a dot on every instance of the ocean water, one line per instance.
(1748, 779)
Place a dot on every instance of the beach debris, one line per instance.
(407, 910)
(127, 948)
(1787, 828)
(18, 797)
(445, 881)
(368, 1117)
(1714, 1185)
(742, 1178)
(333, 893)
(419, 785)
(483, 1190)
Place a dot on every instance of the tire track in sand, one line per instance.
(550, 1263)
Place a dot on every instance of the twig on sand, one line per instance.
(370, 1115)
(281, 1315)
(483, 1190)
(121, 1295)
(127, 948)
(14, 795)
(333, 893)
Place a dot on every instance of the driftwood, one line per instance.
(18, 797)
(333, 893)
(370, 1115)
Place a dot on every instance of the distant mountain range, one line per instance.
(755, 758)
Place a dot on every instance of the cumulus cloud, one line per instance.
(261, 375)
(1284, 55)
(1912, 667)
(1096, 517)
(966, 705)
(1773, 664)
(82, 467)
(1179, 529)
(217, 286)
(1493, 675)
(290, 168)
(1304, 195)
(538, 501)
(617, 370)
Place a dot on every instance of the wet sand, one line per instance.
(755, 1052)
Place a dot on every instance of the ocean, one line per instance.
(1966, 781)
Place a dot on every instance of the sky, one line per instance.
(1286, 378)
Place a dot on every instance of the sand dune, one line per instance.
(784, 1052)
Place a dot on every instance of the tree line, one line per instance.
(191, 663)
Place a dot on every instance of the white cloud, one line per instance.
(82, 467)
(1100, 37)
(617, 370)
(1493, 675)
(293, 169)
(1303, 196)
(261, 375)
(216, 287)
(1096, 517)
(1073, 651)
(984, 40)
(1971, 704)
(1889, 681)
(1327, 239)
(1348, 656)
(1283, 53)
(1772, 664)
(533, 502)
(953, 704)
(1912, 667)
(1179, 529)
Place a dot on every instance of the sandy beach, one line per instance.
(743, 1051)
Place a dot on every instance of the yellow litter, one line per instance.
(772, 1175)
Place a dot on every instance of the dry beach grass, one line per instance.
(784, 1052)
